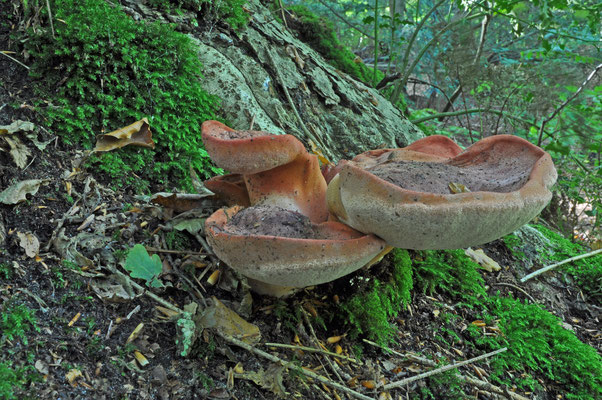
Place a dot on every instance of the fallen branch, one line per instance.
(471, 381)
(287, 364)
(568, 260)
(404, 382)
(313, 350)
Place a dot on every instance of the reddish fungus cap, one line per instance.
(288, 261)
(248, 152)
(508, 178)
(230, 189)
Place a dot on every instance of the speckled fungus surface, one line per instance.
(283, 248)
(410, 198)
(283, 240)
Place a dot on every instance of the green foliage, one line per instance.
(6, 271)
(177, 240)
(513, 243)
(445, 386)
(368, 313)
(13, 380)
(449, 271)
(586, 272)
(104, 71)
(141, 265)
(537, 342)
(229, 11)
(319, 33)
(15, 321)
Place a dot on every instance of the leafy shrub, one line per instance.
(537, 342)
(105, 70)
(319, 33)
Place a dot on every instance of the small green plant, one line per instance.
(13, 380)
(141, 265)
(319, 33)
(176, 240)
(16, 320)
(205, 380)
(369, 312)
(6, 271)
(103, 71)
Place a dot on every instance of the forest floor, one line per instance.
(88, 331)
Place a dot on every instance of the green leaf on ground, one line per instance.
(143, 266)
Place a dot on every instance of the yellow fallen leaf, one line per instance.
(74, 319)
(226, 321)
(135, 333)
(72, 375)
(143, 361)
(136, 134)
(212, 280)
(334, 339)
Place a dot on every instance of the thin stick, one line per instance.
(151, 294)
(517, 288)
(568, 260)
(313, 350)
(287, 364)
(472, 381)
(14, 59)
(566, 102)
(156, 250)
(404, 382)
(50, 18)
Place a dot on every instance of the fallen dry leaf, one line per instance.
(135, 333)
(142, 360)
(18, 192)
(18, 151)
(221, 318)
(180, 202)
(72, 375)
(17, 126)
(271, 379)
(482, 259)
(30, 243)
(136, 134)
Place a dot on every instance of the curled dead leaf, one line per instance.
(30, 243)
(136, 134)
(18, 192)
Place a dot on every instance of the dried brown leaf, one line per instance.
(136, 134)
(30, 243)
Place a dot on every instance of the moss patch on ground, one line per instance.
(538, 345)
(103, 71)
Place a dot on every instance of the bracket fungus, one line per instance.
(432, 195)
(283, 239)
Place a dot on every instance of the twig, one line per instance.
(568, 260)
(472, 381)
(156, 250)
(342, 18)
(150, 294)
(50, 18)
(523, 291)
(566, 102)
(287, 364)
(313, 350)
(404, 382)
(14, 59)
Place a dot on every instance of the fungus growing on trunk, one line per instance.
(282, 241)
(435, 197)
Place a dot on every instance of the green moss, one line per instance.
(13, 380)
(587, 272)
(537, 343)
(451, 272)
(15, 321)
(514, 244)
(368, 313)
(229, 11)
(319, 33)
(104, 71)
